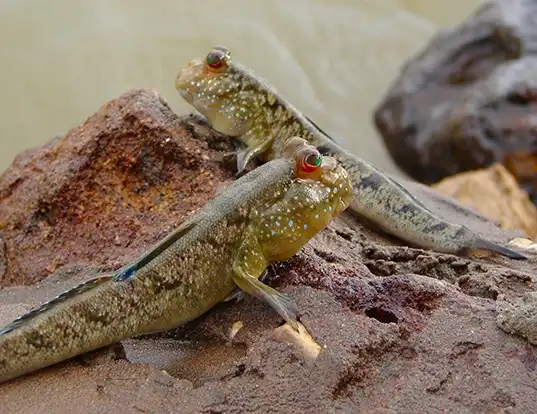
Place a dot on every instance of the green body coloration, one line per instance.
(242, 105)
(265, 216)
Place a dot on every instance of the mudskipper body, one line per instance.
(242, 105)
(265, 216)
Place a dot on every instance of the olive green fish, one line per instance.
(240, 104)
(265, 216)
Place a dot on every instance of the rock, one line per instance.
(495, 193)
(523, 245)
(466, 101)
(106, 190)
(521, 318)
(399, 329)
(523, 165)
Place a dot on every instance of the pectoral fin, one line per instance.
(280, 302)
(244, 156)
(255, 146)
(237, 295)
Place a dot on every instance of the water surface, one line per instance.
(334, 60)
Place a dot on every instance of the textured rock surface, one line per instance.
(403, 330)
(495, 193)
(467, 100)
(520, 318)
(104, 191)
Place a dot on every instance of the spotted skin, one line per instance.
(242, 105)
(229, 243)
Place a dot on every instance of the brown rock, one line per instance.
(106, 190)
(495, 193)
(401, 330)
(467, 99)
(523, 165)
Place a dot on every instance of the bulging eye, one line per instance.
(311, 160)
(215, 59)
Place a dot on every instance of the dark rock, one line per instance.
(467, 100)
(402, 330)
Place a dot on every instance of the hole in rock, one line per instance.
(381, 315)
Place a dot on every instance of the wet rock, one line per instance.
(495, 193)
(400, 329)
(106, 190)
(466, 100)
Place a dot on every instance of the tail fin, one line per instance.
(75, 291)
(484, 244)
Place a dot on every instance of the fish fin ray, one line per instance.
(75, 291)
(493, 247)
(283, 304)
(128, 271)
(319, 128)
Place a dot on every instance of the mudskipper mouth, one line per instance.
(182, 86)
(184, 81)
(186, 95)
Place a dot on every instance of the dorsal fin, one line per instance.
(129, 270)
(75, 291)
(319, 128)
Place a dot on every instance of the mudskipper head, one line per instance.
(328, 183)
(219, 91)
(319, 192)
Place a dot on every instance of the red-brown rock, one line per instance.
(106, 190)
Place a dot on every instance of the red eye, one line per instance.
(311, 160)
(215, 59)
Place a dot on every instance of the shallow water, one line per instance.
(334, 60)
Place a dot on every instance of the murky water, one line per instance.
(61, 60)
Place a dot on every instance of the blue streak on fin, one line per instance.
(128, 271)
(125, 273)
(75, 291)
